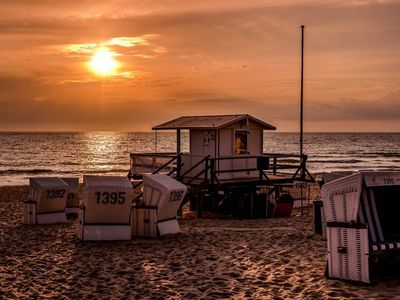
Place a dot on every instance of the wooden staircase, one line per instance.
(197, 185)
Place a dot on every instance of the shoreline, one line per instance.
(262, 258)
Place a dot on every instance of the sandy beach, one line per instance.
(210, 259)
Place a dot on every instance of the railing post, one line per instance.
(262, 164)
(274, 165)
(178, 166)
(212, 171)
(206, 169)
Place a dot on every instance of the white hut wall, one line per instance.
(225, 142)
(242, 139)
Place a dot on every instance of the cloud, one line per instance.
(124, 42)
(385, 108)
(129, 42)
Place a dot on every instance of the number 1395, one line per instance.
(110, 198)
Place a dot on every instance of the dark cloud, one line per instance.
(385, 108)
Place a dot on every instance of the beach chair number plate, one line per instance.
(51, 194)
(110, 198)
(388, 181)
(175, 196)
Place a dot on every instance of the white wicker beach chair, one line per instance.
(363, 231)
(47, 200)
(105, 211)
(162, 195)
(319, 215)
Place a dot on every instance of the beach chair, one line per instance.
(363, 226)
(47, 200)
(319, 215)
(162, 197)
(73, 195)
(105, 210)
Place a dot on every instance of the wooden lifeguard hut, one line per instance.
(225, 160)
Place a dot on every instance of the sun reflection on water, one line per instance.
(102, 147)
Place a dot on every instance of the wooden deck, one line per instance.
(272, 180)
(207, 182)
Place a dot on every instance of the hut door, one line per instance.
(209, 143)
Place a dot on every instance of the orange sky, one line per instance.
(199, 57)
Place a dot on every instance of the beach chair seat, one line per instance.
(105, 210)
(72, 204)
(363, 228)
(47, 200)
(163, 195)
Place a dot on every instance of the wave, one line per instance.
(14, 164)
(105, 171)
(48, 171)
(385, 154)
(336, 161)
(26, 171)
(67, 163)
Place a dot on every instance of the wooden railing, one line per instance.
(204, 171)
(265, 166)
(289, 162)
(201, 182)
(268, 164)
(172, 166)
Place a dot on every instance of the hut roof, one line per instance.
(209, 122)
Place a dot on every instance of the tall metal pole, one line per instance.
(301, 90)
(178, 153)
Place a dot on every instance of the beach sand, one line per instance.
(210, 259)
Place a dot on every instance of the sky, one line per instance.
(199, 57)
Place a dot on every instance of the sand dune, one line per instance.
(210, 259)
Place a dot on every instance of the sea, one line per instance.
(67, 154)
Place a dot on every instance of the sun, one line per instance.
(103, 62)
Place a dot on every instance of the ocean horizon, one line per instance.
(32, 154)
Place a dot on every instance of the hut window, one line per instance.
(241, 142)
